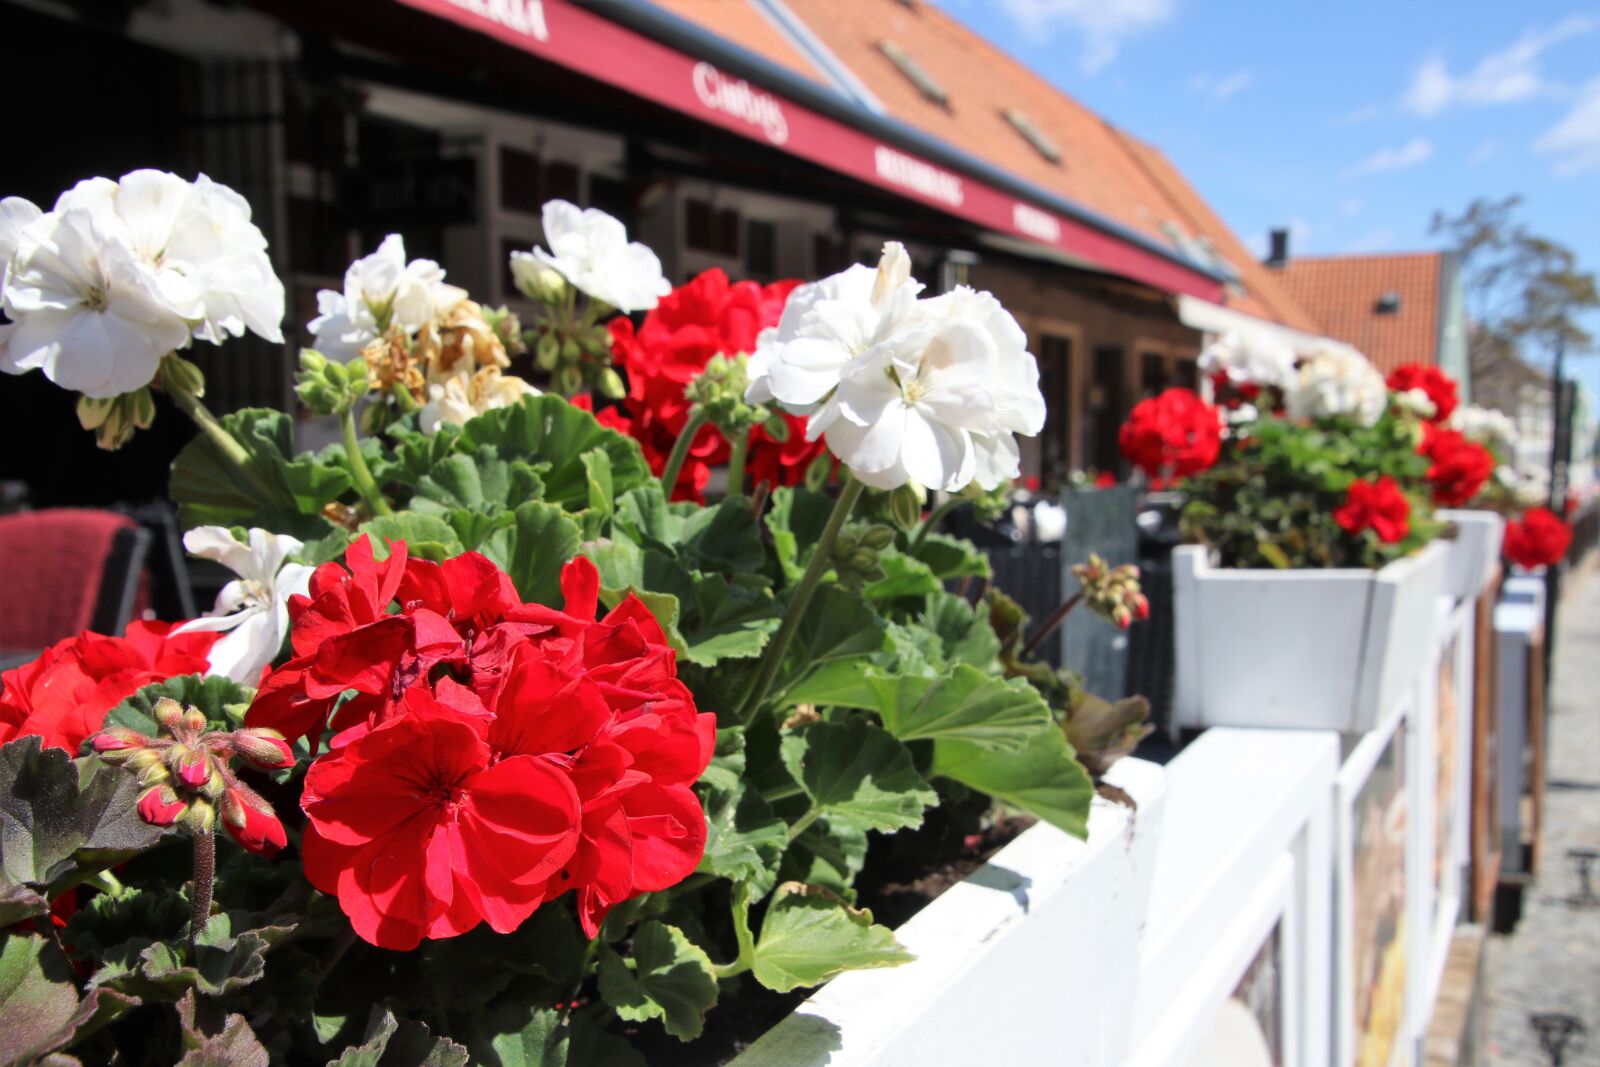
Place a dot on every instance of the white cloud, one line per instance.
(1502, 77)
(1104, 23)
(1484, 152)
(1380, 240)
(1361, 114)
(1415, 151)
(1575, 140)
(1220, 89)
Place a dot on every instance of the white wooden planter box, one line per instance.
(1032, 959)
(1473, 552)
(1319, 649)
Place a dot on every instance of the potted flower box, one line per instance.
(994, 979)
(1473, 552)
(1328, 649)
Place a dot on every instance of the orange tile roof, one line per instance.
(1101, 169)
(1342, 292)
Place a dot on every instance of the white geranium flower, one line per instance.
(85, 309)
(1416, 402)
(1493, 429)
(1253, 360)
(1337, 381)
(826, 325)
(379, 290)
(15, 216)
(468, 392)
(591, 250)
(254, 608)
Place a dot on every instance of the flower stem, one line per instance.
(205, 872)
(949, 504)
(680, 451)
(404, 402)
(107, 883)
(1052, 622)
(772, 659)
(224, 441)
(803, 823)
(741, 933)
(359, 473)
(738, 450)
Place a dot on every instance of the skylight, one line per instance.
(914, 73)
(1032, 134)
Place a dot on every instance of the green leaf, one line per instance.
(426, 536)
(903, 576)
(744, 839)
(857, 774)
(796, 520)
(105, 922)
(466, 972)
(843, 682)
(727, 621)
(222, 699)
(597, 471)
(392, 1043)
(283, 493)
(62, 821)
(18, 903)
(826, 854)
(474, 527)
(1043, 778)
(224, 960)
(837, 625)
(668, 978)
(517, 1035)
(964, 705)
(724, 537)
(535, 548)
(953, 557)
(39, 1007)
(211, 1041)
(810, 935)
(479, 481)
(965, 635)
(547, 429)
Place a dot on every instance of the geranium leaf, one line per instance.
(426, 536)
(725, 537)
(952, 557)
(597, 472)
(222, 699)
(393, 1043)
(965, 634)
(965, 704)
(857, 774)
(668, 977)
(63, 820)
(727, 621)
(902, 576)
(827, 854)
(547, 429)
(229, 954)
(519, 1035)
(837, 625)
(796, 520)
(535, 548)
(1043, 778)
(107, 921)
(744, 839)
(215, 1039)
(479, 481)
(19, 903)
(810, 935)
(39, 1007)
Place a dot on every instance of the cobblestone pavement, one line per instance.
(1551, 962)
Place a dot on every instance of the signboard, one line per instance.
(588, 43)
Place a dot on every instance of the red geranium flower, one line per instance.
(1172, 435)
(64, 695)
(1379, 506)
(1538, 539)
(1440, 387)
(1459, 466)
(497, 755)
(694, 322)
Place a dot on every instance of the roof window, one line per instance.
(1032, 134)
(914, 73)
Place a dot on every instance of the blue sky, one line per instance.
(1351, 123)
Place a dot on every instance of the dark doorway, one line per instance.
(1107, 406)
(1055, 382)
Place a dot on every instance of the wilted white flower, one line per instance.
(592, 251)
(827, 324)
(379, 290)
(253, 609)
(1495, 430)
(119, 273)
(1416, 402)
(468, 392)
(1337, 381)
(1253, 360)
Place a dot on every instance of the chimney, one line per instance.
(1278, 255)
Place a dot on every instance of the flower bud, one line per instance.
(252, 822)
(777, 427)
(905, 504)
(547, 352)
(546, 285)
(818, 472)
(169, 713)
(201, 816)
(194, 720)
(116, 743)
(610, 384)
(569, 380)
(160, 806)
(192, 768)
(264, 748)
(140, 760)
(154, 773)
(180, 377)
(877, 538)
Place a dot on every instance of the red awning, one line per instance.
(568, 35)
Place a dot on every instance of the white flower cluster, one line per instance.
(1253, 360)
(380, 290)
(905, 389)
(119, 273)
(1337, 381)
(1416, 402)
(591, 250)
(1495, 430)
(253, 609)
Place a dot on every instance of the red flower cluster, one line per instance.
(1459, 466)
(494, 755)
(1379, 506)
(1538, 539)
(64, 695)
(1172, 435)
(1440, 387)
(677, 339)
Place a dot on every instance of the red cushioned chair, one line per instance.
(65, 570)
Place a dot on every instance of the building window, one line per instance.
(1108, 405)
(1152, 374)
(1032, 134)
(519, 180)
(761, 248)
(1186, 372)
(1055, 382)
(707, 229)
(914, 73)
